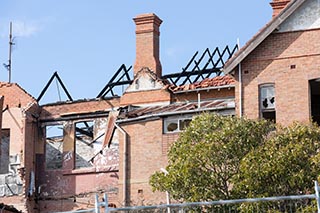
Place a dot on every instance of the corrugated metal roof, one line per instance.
(210, 105)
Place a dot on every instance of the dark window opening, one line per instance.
(315, 100)
(5, 151)
(271, 116)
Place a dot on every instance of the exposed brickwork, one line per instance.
(19, 119)
(278, 6)
(147, 43)
(68, 188)
(145, 97)
(167, 141)
(271, 63)
(141, 163)
(15, 96)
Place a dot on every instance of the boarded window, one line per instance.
(54, 146)
(5, 151)
(267, 102)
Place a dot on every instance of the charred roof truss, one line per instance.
(120, 78)
(57, 77)
(209, 64)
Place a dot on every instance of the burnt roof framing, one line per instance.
(121, 77)
(214, 63)
(54, 76)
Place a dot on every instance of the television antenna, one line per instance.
(11, 43)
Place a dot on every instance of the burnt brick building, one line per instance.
(57, 156)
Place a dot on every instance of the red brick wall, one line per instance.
(23, 130)
(145, 156)
(167, 141)
(145, 97)
(147, 43)
(289, 60)
(15, 96)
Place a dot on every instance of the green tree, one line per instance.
(287, 164)
(204, 160)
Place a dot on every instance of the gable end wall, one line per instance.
(289, 60)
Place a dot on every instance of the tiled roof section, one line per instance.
(217, 81)
(210, 105)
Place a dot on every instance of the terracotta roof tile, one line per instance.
(217, 81)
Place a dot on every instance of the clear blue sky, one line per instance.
(87, 40)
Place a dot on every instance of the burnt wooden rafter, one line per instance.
(121, 77)
(86, 130)
(208, 64)
(54, 76)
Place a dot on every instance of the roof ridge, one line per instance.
(261, 35)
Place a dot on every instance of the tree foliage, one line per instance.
(223, 157)
(287, 164)
(207, 155)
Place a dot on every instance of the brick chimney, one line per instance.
(278, 6)
(147, 43)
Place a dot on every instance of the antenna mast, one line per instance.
(10, 52)
(8, 66)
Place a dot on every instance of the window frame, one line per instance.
(263, 109)
(178, 120)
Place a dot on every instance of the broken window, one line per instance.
(176, 124)
(84, 148)
(5, 151)
(267, 102)
(315, 100)
(54, 146)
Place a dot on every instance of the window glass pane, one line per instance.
(172, 126)
(184, 123)
(267, 99)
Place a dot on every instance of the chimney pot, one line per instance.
(147, 43)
